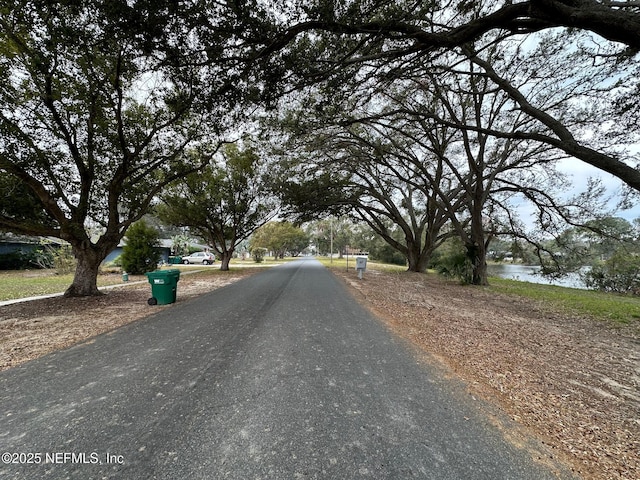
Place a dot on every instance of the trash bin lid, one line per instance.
(164, 274)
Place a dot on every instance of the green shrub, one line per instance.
(387, 254)
(42, 257)
(51, 255)
(454, 265)
(258, 254)
(140, 254)
(618, 274)
(18, 260)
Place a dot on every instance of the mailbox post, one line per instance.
(361, 266)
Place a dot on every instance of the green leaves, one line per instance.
(21, 211)
(281, 238)
(140, 254)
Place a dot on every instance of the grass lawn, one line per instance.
(600, 305)
(31, 283)
(604, 306)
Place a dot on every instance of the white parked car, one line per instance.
(205, 258)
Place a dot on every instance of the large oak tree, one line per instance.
(104, 103)
(224, 203)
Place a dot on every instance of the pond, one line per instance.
(529, 273)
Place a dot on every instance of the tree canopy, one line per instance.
(358, 40)
(433, 147)
(281, 238)
(102, 104)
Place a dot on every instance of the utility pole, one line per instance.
(331, 237)
(347, 250)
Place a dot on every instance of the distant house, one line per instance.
(165, 250)
(12, 243)
(18, 251)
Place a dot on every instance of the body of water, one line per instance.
(530, 273)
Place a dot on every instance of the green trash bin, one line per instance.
(175, 260)
(164, 286)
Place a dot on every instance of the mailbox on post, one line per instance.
(361, 265)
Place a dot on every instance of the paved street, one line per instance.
(279, 376)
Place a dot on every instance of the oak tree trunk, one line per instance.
(85, 279)
(225, 258)
(418, 260)
(477, 256)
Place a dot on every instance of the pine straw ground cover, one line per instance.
(32, 329)
(573, 381)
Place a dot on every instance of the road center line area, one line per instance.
(282, 375)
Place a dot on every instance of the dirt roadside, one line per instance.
(571, 381)
(32, 329)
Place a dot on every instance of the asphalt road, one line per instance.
(279, 376)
